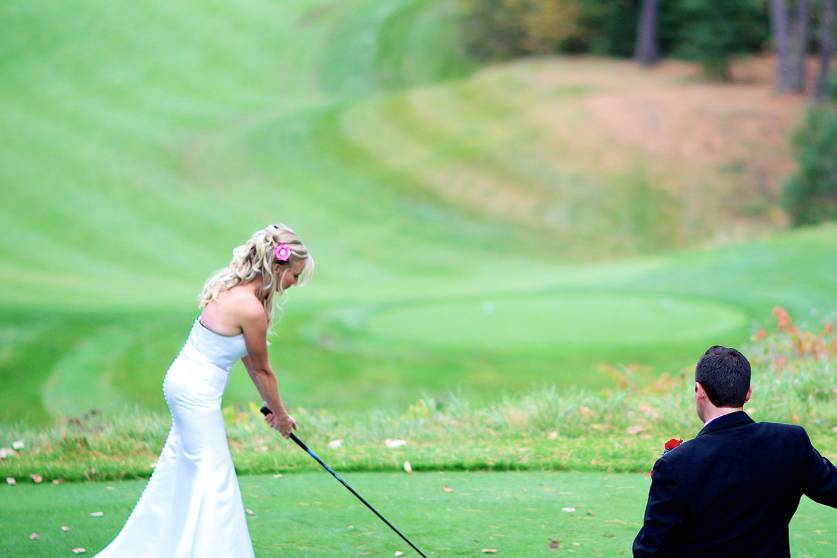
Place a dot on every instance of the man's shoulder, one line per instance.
(686, 452)
(682, 453)
(780, 427)
(682, 456)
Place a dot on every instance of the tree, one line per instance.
(799, 44)
(779, 27)
(497, 29)
(810, 194)
(791, 39)
(647, 49)
(826, 40)
(547, 23)
(717, 31)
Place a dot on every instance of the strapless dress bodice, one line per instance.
(220, 350)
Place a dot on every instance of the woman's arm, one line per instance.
(254, 325)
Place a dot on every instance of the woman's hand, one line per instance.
(283, 422)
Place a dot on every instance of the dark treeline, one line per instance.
(710, 32)
(500, 29)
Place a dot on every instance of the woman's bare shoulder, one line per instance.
(243, 304)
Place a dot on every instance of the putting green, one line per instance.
(545, 321)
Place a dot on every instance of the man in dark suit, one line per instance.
(733, 489)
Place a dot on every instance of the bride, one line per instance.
(191, 507)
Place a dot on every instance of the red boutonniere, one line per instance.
(671, 444)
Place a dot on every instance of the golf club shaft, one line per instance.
(265, 411)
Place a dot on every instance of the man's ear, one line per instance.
(749, 393)
(700, 393)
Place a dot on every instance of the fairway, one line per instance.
(478, 230)
(444, 514)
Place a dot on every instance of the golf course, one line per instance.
(512, 259)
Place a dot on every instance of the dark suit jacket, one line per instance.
(732, 491)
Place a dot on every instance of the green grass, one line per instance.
(496, 284)
(544, 327)
(547, 429)
(536, 322)
(145, 141)
(517, 514)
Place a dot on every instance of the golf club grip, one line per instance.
(266, 411)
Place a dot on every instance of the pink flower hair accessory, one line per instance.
(282, 252)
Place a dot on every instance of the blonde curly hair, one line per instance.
(255, 259)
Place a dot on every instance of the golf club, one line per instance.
(266, 411)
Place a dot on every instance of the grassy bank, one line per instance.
(621, 430)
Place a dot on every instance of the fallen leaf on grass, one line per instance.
(36, 478)
(277, 476)
(569, 509)
(97, 514)
(649, 411)
(635, 429)
(399, 553)
(6, 452)
(392, 444)
(11, 481)
(447, 489)
(18, 445)
(34, 537)
(65, 528)
(79, 550)
(249, 511)
(334, 444)
(489, 551)
(554, 544)
(407, 467)
(57, 481)
(552, 435)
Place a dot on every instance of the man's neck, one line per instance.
(716, 412)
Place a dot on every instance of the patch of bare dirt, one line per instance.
(718, 147)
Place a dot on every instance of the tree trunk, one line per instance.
(826, 48)
(647, 50)
(799, 42)
(779, 30)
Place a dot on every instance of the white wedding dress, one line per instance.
(191, 507)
